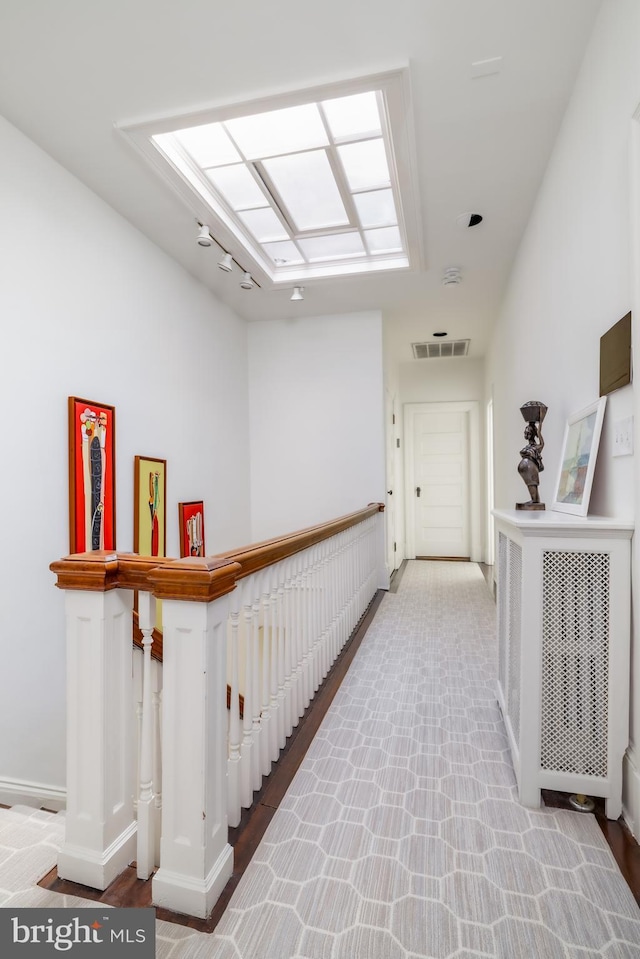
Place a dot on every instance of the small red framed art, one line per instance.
(191, 518)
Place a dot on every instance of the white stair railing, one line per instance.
(269, 621)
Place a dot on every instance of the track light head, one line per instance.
(204, 237)
(226, 263)
(246, 282)
(297, 293)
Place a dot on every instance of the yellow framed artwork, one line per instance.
(150, 506)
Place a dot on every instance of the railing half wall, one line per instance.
(280, 610)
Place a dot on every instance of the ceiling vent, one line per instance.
(434, 351)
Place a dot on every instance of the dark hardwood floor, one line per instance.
(624, 847)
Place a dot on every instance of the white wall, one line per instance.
(317, 419)
(91, 308)
(445, 380)
(571, 282)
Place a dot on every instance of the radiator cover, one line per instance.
(563, 651)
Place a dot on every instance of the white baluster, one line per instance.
(333, 598)
(157, 760)
(246, 753)
(310, 637)
(274, 664)
(324, 607)
(290, 650)
(302, 633)
(256, 777)
(146, 807)
(138, 741)
(265, 674)
(317, 618)
(235, 807)
(314, 634)
(351, 582)
(284, 656)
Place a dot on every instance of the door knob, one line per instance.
(417, 491)
(390, 492)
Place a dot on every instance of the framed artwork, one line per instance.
(191, 517)
(578, 461)
(149, 506)
(615, 356)
(92, 493)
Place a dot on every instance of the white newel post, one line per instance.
(100, 831)
(383, 570)
(196, 860)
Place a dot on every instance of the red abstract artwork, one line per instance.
(92, 507)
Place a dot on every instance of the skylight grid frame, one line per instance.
(352, 219)
(396, 117)
(260, 175)
(256, 167)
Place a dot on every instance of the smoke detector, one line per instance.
(451, 276)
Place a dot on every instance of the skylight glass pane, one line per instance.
(208, 145)
(365, 164)
(283, 254)
(237, 186)
(332, 247)
(264, 224)
(306, 183)
(376, 208)
(353, 116)
(384, 241)
(280, 131)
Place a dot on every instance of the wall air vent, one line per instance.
(434, 351)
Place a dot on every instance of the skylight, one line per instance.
(295, 191)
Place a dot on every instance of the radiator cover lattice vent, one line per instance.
(575, 662)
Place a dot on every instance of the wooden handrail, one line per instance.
(260, 555)
(192, 578)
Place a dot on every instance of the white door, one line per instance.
(441, 484)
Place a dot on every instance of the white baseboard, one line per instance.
(13, 792)
(631, 790)
(189, 894)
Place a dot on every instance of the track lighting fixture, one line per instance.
(226, 263)
(297, 293)
(204, 237)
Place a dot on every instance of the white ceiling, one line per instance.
(71, 69)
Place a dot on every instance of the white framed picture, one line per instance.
(578, 460)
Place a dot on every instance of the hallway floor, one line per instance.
(401, 836)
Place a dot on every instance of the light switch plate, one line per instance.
(623, 437)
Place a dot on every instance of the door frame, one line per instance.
(489, 447)
(631, 759)
(391, 510)
(472, 409)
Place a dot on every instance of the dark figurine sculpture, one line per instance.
(531, 465)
